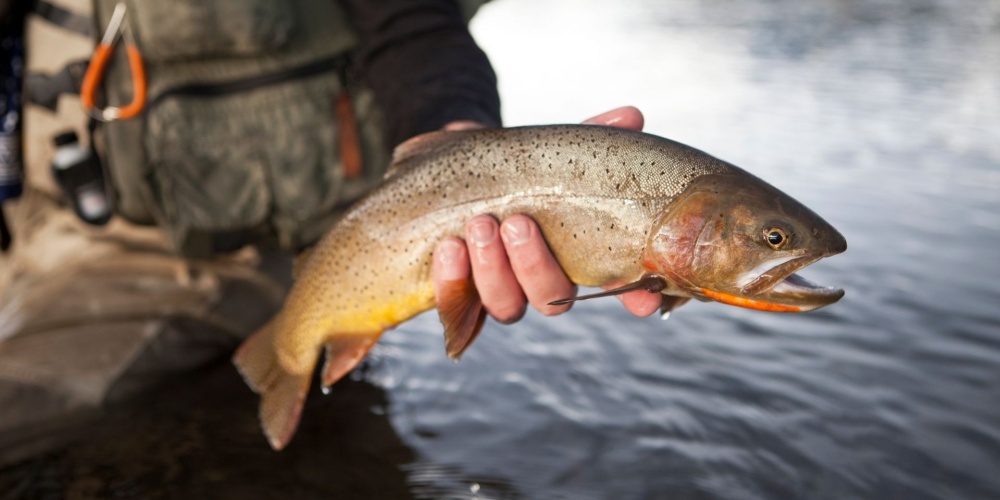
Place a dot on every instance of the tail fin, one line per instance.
(282, 393)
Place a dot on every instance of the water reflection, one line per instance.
(199, 438)
(879, 115)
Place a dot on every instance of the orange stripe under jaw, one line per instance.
(759, 305)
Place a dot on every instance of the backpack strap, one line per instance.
(44, 89)
(64, 18)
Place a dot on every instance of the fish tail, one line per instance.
(282, 393)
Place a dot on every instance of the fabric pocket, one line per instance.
(273, 155)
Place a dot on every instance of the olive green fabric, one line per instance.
(265, 159)
(185, 30)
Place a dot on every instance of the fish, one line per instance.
(614, 206)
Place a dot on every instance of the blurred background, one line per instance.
(880, 115)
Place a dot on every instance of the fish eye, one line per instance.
(775, 237)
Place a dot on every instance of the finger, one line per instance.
(498, 287)
(541, 277)
(639, 302)
(463, 125)
(642, 303)
(624, 117)
(450, 263)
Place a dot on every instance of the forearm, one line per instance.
(424, 66)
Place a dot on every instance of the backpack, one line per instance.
(239, 139)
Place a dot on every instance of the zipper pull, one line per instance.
(347, 126)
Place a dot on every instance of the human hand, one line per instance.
(510, 262)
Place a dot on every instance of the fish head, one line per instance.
(737, 240)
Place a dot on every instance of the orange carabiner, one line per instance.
(117, 26)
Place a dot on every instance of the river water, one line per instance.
(881, 115)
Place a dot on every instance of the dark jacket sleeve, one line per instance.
(425, 68)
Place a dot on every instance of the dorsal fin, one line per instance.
(410, 151)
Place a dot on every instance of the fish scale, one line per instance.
(597, 194)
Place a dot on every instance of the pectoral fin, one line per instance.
(670, 304)
(462, 314)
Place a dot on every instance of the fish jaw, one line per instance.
(780, 290)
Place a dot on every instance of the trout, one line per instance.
(614, 206)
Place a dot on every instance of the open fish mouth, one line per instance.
(779, 288)
(794, 284)
(780, 285)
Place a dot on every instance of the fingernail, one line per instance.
(516, 232)
(482, 233)
(449, 253)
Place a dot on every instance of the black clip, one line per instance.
(5, 237)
